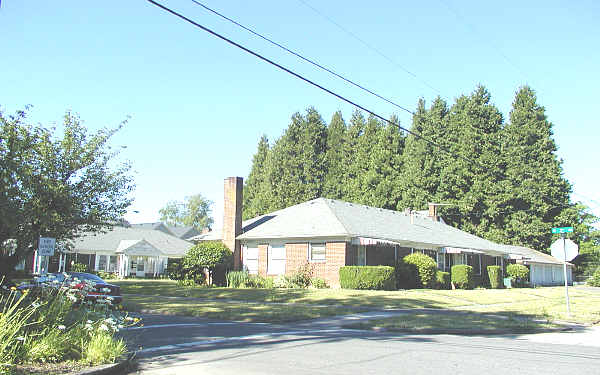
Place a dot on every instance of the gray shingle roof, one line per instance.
(168, 244)
(530, 255)
(332, 218)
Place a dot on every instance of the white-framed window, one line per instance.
(250, 259)
(101, 263)
(316, 252)
(276, 260)
(441, 261)
(474, 260)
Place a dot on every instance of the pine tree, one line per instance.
(255, 197)
(539, 198)
(296, 163)
(335, 158)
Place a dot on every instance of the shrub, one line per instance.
(206, 255)
(519, 273)
(174, 269)
(319, 283)
(407, 275)
(302, 278)
(495, 277)
(235, 279)
(595, 279)
(462, 276)
(367, 277)
(426, 268)
(442, 280)
(79, 267)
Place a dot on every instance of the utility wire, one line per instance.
(302, 57)
(291, 72)
(390, 60)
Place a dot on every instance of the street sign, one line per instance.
(46, 246)
(570, 251)
(562, 230)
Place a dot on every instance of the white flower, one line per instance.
(61, 327)
(73, 298)
(88, 327)
(129, 319)
(35, 305)
(104, 327)
(120, 326)
(4, 287)
(89, 322)
(20, 338)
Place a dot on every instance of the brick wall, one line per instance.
(232, 217)
(329, 270)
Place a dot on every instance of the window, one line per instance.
(102, 262)
(276, 260)
(441, 261)
(317, 252)
(474, 260)
(251, 259)
(112, 265)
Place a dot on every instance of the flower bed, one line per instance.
(53, 323)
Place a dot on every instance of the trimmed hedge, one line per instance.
(462, 276)
(495, 277)
(442, 280)
(426, 268)
(407, 275)
(519, 273)
(595, 280)
(367, 277)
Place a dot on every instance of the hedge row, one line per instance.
(368, 277)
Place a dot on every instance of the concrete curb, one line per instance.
(110, 369)
(462, 332)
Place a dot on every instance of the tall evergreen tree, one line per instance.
(255, 192)
(420, 177)
(539, 198)
(296, 163)
(335, 158)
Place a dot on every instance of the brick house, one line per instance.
(329, 234)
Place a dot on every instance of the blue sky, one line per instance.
(198, 106)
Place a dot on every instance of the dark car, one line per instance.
(77, 280)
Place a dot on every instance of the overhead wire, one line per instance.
(369, 46)
(310, 61)
(297, 75)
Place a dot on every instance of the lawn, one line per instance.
(278, 305)
(463, 323)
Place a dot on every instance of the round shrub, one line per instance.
(426, 268)
(595, 280)
(462, 276)
(442, 280)
(495, 277)
(206, 255)
(367, 277)
(519, 273)
(407, 275)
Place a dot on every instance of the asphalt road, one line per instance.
(177, 345)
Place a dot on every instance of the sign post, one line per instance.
(566, 253)
(45, 249)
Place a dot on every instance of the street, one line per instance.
(177, 345)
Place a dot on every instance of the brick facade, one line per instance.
(329, 270)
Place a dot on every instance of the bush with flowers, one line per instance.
(53, 322)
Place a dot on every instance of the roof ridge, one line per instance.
(327, 201)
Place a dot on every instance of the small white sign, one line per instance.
(570, 248)
(46, 246)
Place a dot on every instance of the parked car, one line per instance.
(77, 280)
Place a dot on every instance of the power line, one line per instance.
(302, 57)
(390, 60)
(291, 72)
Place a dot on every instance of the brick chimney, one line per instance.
(232, 217)
(433, 211)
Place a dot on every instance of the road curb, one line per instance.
(463, 332)
(110, 369)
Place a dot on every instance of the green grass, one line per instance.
(450, 322)
(544, 303)
(246, 312)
